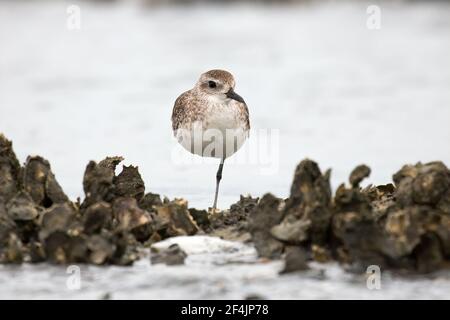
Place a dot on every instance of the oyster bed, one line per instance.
(403, 226)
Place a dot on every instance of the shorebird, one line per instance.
(211, 120)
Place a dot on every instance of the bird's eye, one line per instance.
(212, 84)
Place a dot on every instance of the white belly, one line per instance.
(219, 135)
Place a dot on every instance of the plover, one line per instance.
(211, 120)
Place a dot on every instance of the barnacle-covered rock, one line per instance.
(320, 253)
(3, 212)
(236, 215)
(428, 254)
(9, 170)
(402, 225)
(40, 183)
(441, 227)
(173, 219)
(397, 227)
(403, 231)
(291, 230)
(7, 226)
(129, 183)
(201, 218)
(63, 248)
(98, 181)
(171, 256)
(126, 248)
(24, 212)
(231, 224)
(424, 184)
(101, 249)
(36, 251)
(62, 218)
(11, 251)
(97, 217)
(381, 199)
(110, 162)
(131, 218)
(22, 208)
(357, 236)
(262, 218)
(296, 259)
(423, 199)
(359, 174)
(150, 201)
(10, 244)
(307, 213)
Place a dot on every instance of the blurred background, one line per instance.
(341, 87)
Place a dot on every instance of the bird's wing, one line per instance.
(187, 108)
(245, 115)
(178, 112)
(248, 116)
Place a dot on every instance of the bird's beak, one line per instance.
(233, 95)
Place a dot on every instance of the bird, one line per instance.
(211, 119)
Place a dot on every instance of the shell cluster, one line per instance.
(404, 225)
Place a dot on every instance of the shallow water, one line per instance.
(337, 92)
(214, 269)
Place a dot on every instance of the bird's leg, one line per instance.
(218, 178)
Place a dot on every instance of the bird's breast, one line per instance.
(220, 132)
(222, 117)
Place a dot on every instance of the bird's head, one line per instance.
(218, 84)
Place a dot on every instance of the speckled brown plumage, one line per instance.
(199, 102)
(211, 120)
(190, 107)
